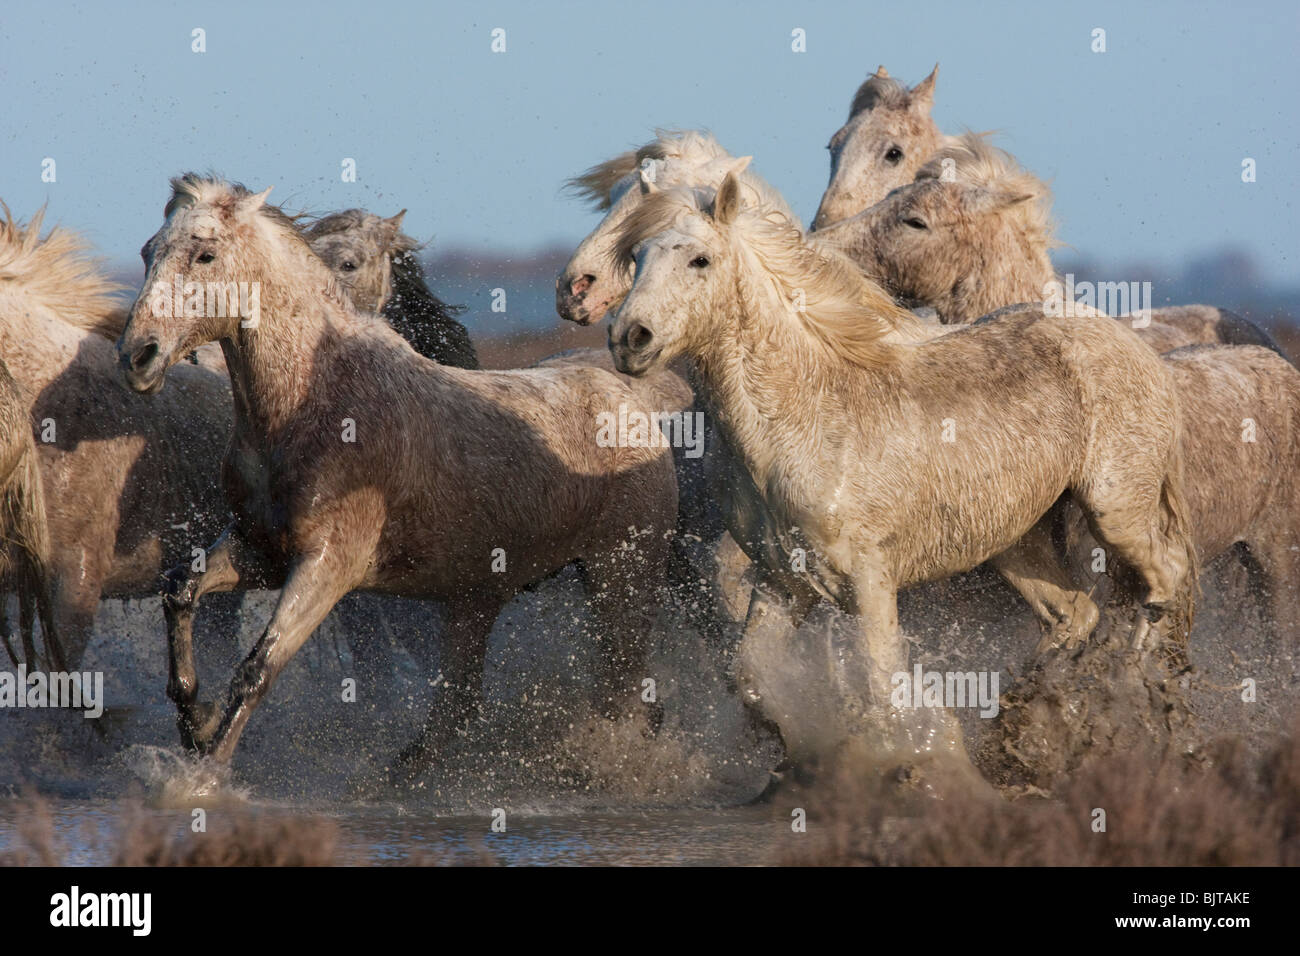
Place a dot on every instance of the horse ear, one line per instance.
(727, 203)
(881, 73)
(923, 93)
(258, 201)
(1002, 198)
(395, 222)
(741, 165)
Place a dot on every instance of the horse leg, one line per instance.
(76, 604)
(765, 649)
(903, 732)
(621, 591)
(227, 564)
(1136, 528)
(1034, 567)
(464, 649)
(1279, 562)
(314, 584)
(26, 625)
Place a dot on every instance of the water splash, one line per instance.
(177, 780)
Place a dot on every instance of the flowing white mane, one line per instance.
(679, 158)
(838, 305)
(58, 272)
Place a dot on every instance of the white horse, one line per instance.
(854, 492)
(587, 288)
(888, 136)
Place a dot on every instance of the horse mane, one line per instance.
(59, 271)
(842, 308)
(345, 220)
(879, 90)
(595, 184)
(423, 319)
(978, 163)
(211, 189)
(410, 306)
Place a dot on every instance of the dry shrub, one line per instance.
(243, 838)
(35, 844)
(1227, 809)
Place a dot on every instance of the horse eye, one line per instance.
(893, 155)
(205, 257)
(349, 266)
(915, 223)
(699, 262)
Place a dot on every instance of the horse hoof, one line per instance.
(198, 724)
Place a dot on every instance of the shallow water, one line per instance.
(576, 790)
(84, 834)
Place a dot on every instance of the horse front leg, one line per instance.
(766, 653)
(903, 733)
(228, 564)
(314, 584)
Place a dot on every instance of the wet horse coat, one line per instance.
(357, 463)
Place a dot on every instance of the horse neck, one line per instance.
(1012, 273)
(765, 379)
(272, 365)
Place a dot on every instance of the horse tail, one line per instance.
(28, 536)
(1234, 329)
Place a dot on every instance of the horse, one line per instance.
(25, 552)
(855, 491)
(888, 136)
(130, 483)
(377, 266)
(357, 463)
(587, 288)
(885, 118)
(361, 242)
(980, 241)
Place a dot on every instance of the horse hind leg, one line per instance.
(1149, 533)
(1278, 558)
(229, 564)
(463, 653)
(1035, 567)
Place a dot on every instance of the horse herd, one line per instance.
(344, 437)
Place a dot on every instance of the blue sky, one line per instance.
(1143, 144)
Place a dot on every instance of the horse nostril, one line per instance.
(580, 285)
(638, 337)
(144, 355)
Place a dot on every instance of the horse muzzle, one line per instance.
(634, 347)
(143, 364)
(570, 298)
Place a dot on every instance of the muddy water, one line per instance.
(574, 788)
